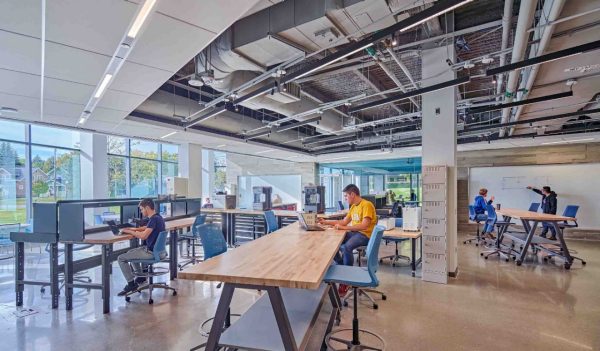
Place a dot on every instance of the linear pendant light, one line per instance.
(141, 18)
(576, 50)
(408, 94)
(522, 102)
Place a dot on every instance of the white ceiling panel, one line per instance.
(21, 16)
(18, 83)
(20, 53)
(74, 65)
(97, 26)
(61, 90)
(120, 100)
(139, 79)
(168, 44)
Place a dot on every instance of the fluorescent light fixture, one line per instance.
(330, 62)
(222, 145)
(141, 18)
(264, 151)
(435, 15)
(103, 85)
(336, 158)
(82, 120)
(568, 141)
(168, 135)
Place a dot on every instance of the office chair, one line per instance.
(214, 245)
(340, 205)
(190, 238)
(396, 256)
(271, 222)
(5, 242)
(570, 211)
(473, 217)
(491, 222)
(160, 254)
(534, 207)
(358, 278)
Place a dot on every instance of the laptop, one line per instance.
(310, 228)
(114, 227)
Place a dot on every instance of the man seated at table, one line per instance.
(549, 204)
(148, 233)
(359, 223)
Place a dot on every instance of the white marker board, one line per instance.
(577, 184)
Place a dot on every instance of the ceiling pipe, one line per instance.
(548, 16)
(506, 26)
(526, 13)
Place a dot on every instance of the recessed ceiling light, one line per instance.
(222, 145)
(103, 85)
(141, 18)
(264, 151)
(168, 135)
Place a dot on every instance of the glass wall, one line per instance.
(220, 164)
(37, 164)
(139, 168)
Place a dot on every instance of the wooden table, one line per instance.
(526, 217)
(289, 264)
(413, 236)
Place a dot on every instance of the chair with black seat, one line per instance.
(340, 205)
(190, 238)
(473, 217)
(271, 224)
(491, 222)
(358, 278)
(160, 255)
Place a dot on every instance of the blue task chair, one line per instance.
(191, 238)
(473, 217)
(214, 244)
(358, 278)
(396, 256)
(340, 205)
(571, 211)
(271, 222)
(534, 207)
(160, 254)
(491, 222)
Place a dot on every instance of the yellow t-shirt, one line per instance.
(361, 210)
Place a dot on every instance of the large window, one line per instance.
(138, 168)
(53, 173)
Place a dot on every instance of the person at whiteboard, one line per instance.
(549, 204)
(480, 205)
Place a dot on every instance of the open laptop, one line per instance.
(310, 228)
(114, 227)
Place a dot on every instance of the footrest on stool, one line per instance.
(346, 344)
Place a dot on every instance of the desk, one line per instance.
(536, 218)
(107, 239)
(289, 264)
(413, 236)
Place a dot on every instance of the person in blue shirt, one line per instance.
(480, 205)
(148, 233)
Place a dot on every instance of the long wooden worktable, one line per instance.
(526, 218)
(289, 264)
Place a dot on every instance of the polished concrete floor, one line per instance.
(493, 305)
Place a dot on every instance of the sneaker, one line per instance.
(343, 289)
(131, 286)
(552, 238)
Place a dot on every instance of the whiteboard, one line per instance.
(577, 184)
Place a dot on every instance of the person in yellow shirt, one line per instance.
(359, 223)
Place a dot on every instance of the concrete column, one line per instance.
(94, 166)
(208, 173)
(190, 167)
(439, 134)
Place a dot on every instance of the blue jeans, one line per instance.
(547, 226)
(487, 228)
(352, 240)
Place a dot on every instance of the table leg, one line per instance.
(69, 275)
(563, 245)
(106, 252)
(220, 316)
(413, 255)
(232, 229)
(54, 290)
(173, 253)
(530, 235)
(281, 316)
(19, 271)
(336, 302)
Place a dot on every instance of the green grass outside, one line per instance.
(18, 214)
